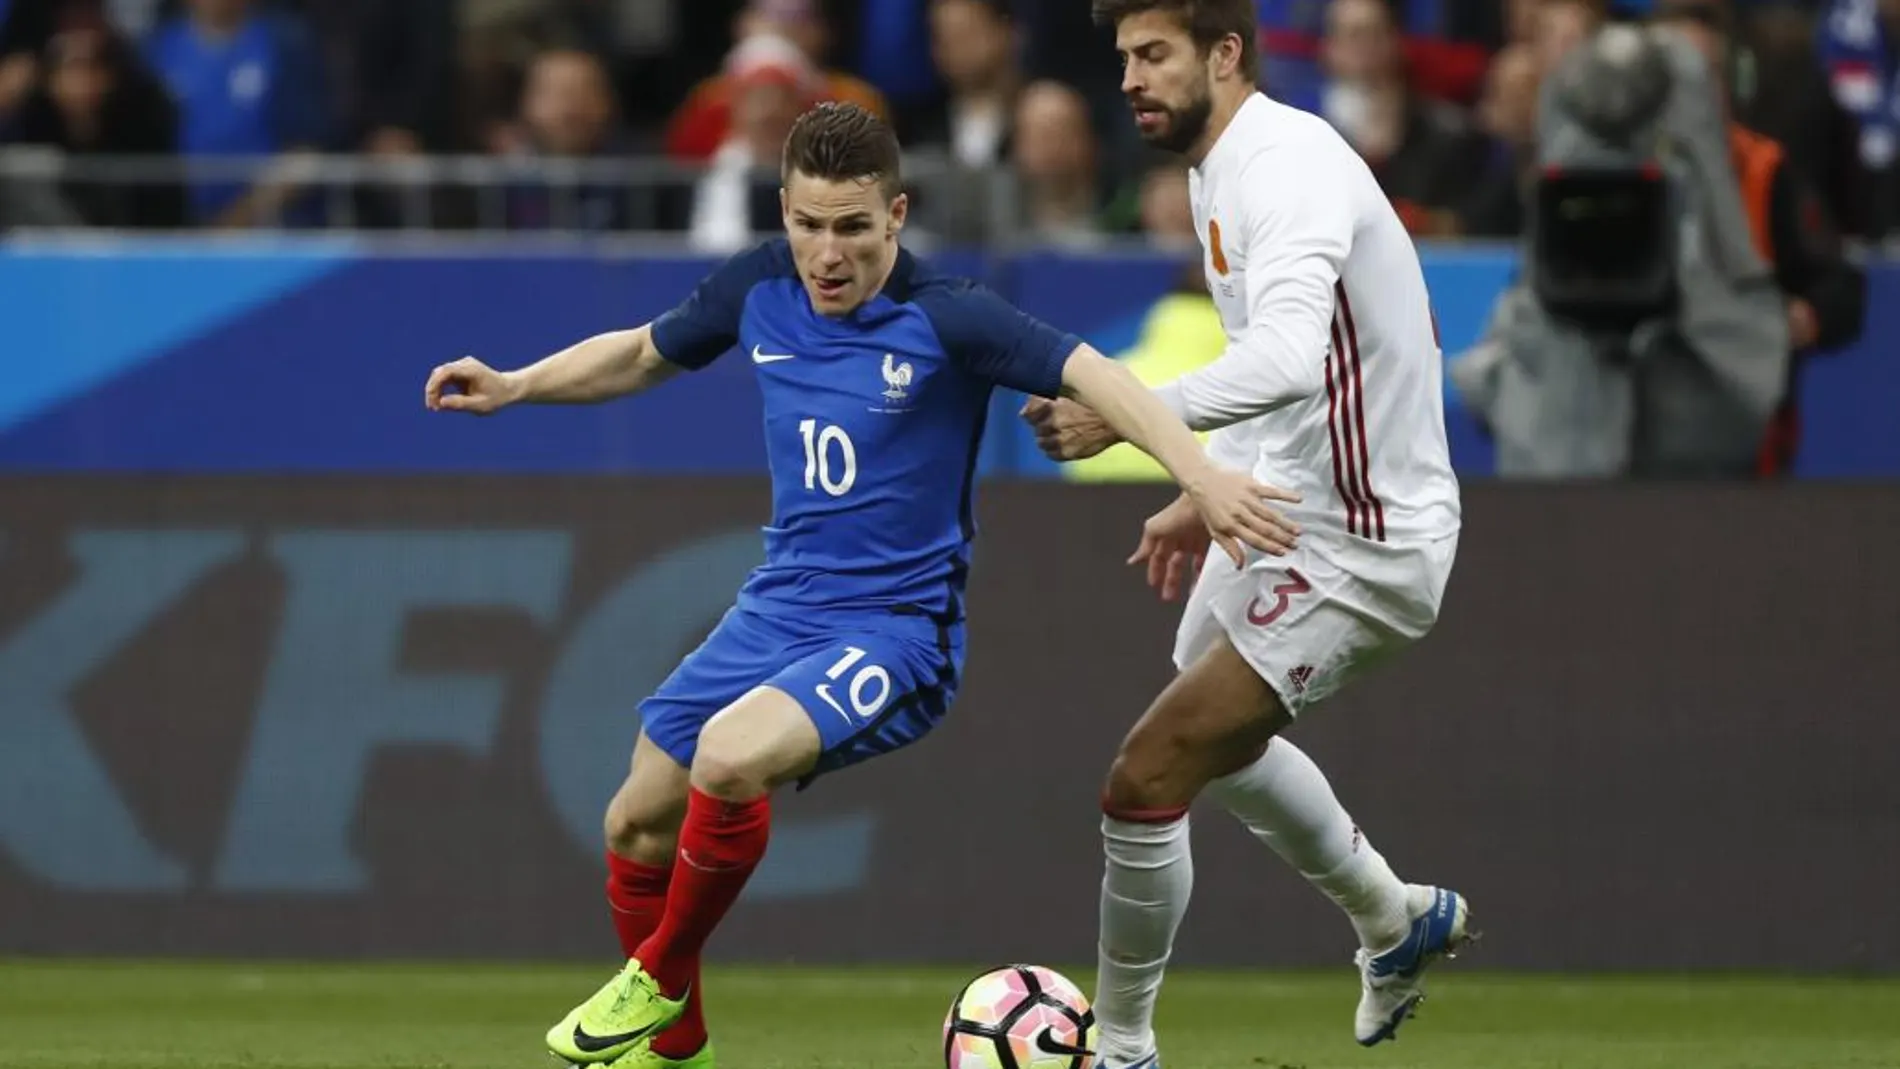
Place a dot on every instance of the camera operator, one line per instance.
(1826, 294)
(1647, 337)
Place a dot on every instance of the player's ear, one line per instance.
(900, 210)
(1227, 56)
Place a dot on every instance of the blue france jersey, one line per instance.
(872, 423)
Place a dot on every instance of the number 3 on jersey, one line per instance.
(819, 446)
(868, 690)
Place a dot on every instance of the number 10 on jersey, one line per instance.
(819, 447)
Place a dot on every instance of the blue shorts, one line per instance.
(870, 683)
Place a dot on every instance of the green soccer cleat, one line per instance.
(642, 1057)
(619, 1017)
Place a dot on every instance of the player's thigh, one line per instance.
(643, 819)
(742, 652)
(869, 693)
(754, 745)
(1215, 717)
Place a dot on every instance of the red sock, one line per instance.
(636, 894)
(720, 844)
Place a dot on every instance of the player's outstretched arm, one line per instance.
(1233, 505)
(689, 337)
(598, 369)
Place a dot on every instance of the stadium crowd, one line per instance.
(1022, 94)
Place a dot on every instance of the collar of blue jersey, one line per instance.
(903, 278)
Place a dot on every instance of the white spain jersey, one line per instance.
(1333, 356)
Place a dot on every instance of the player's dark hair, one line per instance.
(1208, 22)
(842, 142)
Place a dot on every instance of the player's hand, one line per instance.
(1067, 430)
(1173, 542)
(1235, 509)
(468, 385)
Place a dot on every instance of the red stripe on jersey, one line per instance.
(1348, 432)
(1359, 414)
(1332, 427)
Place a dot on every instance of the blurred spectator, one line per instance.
(1520, 22)
(25, 28)
(247, 82)
(97, 99)
(893, 54)
(962, 136)
(392, 66)
(1644, 337)
(392, 69)
(1180, 333)
(1780, 89)
(770, 81)
(134, 18)
(1167, 212)
(498, 41)
(568, 112)
(701, 125)
(1423, 156)
(1825, 294)
(1443, 47)
(1560, 26)
(1508, 117)
(1860, 47)
(1062, 43)
(1057, 164)
(973, 44)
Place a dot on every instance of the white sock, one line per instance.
(1145, 889)
(1285, 801)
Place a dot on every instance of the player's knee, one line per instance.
(726, 778)
(729, 764)
(1147, 775)
(643, 819)
(645, 838)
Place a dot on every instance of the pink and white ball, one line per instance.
(1020, 1017)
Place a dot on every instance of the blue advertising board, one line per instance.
(302, 355)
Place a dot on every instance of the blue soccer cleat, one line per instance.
(1391, 980)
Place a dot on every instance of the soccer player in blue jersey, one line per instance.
(848, 641)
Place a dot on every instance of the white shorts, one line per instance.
(1311, 621)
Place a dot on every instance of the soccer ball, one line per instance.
(1020, 1017)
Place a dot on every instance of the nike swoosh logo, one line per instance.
(770, 358)
(824, 691)
(1047, 1043)
(596, 1044)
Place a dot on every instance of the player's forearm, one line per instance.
(1241, 384)
(1134, 413)
(602, 367)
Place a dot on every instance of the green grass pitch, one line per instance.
(84, 1015)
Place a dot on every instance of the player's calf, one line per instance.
(1214, 718)
(751, 747)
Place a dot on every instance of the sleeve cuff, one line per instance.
(1066, 346)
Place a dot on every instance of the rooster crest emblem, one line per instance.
(896, 378)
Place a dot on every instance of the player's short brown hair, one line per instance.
(1208, 22)
(840, 142)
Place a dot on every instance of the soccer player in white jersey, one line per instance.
(1330, 386)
